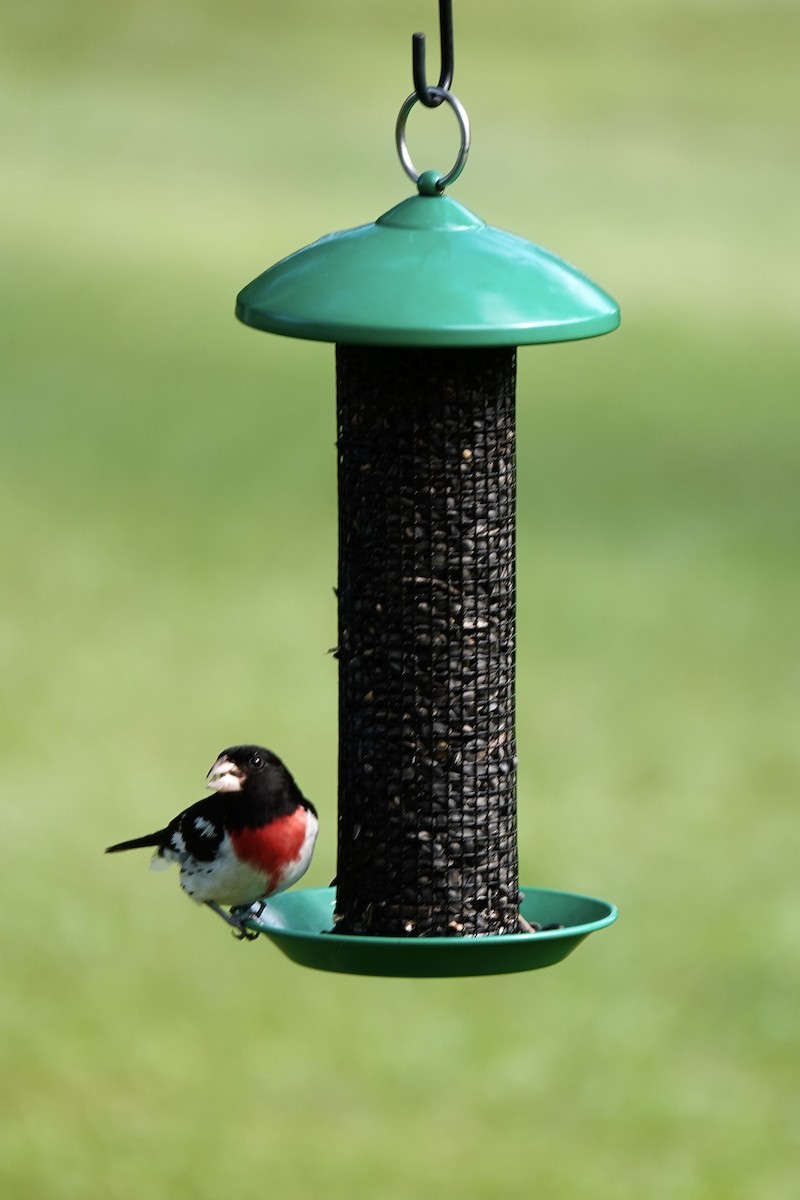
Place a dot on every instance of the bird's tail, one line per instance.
(150, 839)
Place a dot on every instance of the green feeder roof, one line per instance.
(427, 273)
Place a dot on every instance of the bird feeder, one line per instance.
(426, 307)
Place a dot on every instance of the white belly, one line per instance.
(226, 880)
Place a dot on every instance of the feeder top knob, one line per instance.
(429, 183)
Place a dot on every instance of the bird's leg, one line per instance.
(242, 933)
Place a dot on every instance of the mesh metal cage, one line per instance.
(427, 756)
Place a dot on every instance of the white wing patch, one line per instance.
(204, 827)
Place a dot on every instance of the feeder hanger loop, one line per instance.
(431, 97)
(431, 183)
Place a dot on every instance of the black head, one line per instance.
(242, 767)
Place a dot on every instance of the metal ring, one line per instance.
(400, 136)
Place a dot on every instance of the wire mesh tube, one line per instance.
(427, 755)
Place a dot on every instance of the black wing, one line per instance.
(198, 830)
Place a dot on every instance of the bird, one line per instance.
(253, 838)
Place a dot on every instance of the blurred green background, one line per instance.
(168, 551)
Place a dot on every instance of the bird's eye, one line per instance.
(257, 761)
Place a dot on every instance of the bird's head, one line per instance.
(239, 766)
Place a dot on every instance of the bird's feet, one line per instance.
(248, 912)
(237, 919)
(243, 934)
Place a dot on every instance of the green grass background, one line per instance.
(168, 555)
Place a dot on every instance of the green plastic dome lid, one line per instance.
(427, 273)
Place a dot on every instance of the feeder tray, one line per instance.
(300, 923)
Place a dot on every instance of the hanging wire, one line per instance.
(425, 92)
(432, 95)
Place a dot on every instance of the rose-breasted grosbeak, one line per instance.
(252, 838)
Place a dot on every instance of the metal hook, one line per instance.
(422, 88)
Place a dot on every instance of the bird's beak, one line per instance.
(225, 776)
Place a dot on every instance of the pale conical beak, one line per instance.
(225, 776)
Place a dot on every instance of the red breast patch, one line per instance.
(273, 846)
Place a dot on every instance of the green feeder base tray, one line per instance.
(300, 923)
